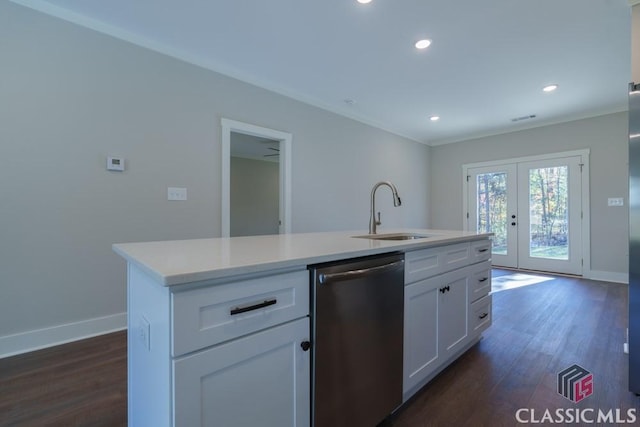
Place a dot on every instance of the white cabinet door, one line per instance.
(453, 292)
(420, 331)
(261, 379)
(435, 324)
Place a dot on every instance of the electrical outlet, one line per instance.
(615, 201)
(144, 332)
(177, 193)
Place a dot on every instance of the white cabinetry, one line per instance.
(453, 307)
(219, 354)
(234, 350)
(261, 379)
(447, 306)
(421, 303)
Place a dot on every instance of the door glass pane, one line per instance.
(491, 190)
(549, 213)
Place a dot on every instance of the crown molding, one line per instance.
(633, 2)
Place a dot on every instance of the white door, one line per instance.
(493, 209)
(549, 212)
(534, 209)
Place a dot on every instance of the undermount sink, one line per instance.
(395, 236)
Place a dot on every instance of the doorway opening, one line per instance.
(537, 208)
(256, 180)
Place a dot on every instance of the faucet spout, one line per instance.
(373, 222)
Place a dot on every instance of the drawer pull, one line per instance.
(483, 250)
(483, 315)
(484, 279)
(265, 303)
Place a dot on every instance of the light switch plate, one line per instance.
(616, 201)
(176, 193)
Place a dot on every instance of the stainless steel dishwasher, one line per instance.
(357, 326)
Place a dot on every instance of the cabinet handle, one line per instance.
(306, 345)
(483, 250)
(256, 306)
(484, 279)
(483, 315)
(447, 288)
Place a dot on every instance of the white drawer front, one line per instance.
(421, 264)
(480, 280)
(456, 256)
(480, 315)
(206, 316)
(425, 263)
(481, 250)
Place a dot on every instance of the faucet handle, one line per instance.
(378, 222)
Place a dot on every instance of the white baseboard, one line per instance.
(23, 342)
(608, 276)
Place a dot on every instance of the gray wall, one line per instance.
(605, 136)
(70, 96)
(254, 188)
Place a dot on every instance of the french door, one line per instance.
(534, 209)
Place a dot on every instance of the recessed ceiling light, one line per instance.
(550, 88)
(434, 118)
(423, 44)
(364, 1)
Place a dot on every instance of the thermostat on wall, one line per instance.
(115, 164)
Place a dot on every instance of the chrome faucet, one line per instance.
(373, 223)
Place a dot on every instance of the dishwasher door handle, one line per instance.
(324, 278)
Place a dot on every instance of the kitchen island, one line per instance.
(219, 329)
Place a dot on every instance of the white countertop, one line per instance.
(183, 261)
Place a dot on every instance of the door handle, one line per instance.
(513, 223)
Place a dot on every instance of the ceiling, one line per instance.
(487, 63)
(254, 147)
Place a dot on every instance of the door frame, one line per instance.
(285, 140)
(584, 185)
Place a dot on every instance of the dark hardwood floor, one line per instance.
(77, 384)
(538, 330)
